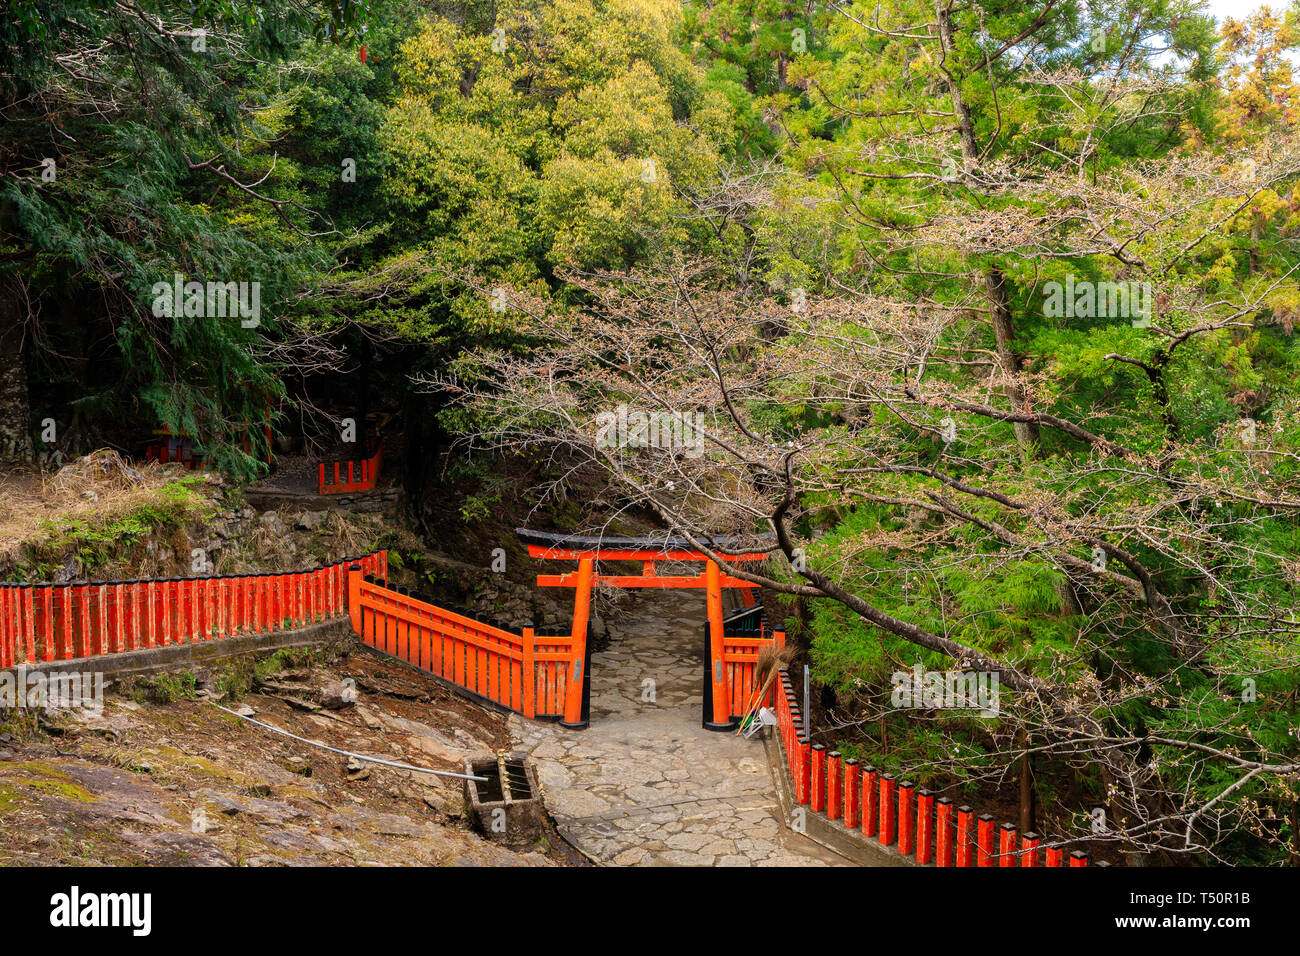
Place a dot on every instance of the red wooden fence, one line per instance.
(341, 477)
(526, 672)
(744, 635)
(890, 812)
(59, 622)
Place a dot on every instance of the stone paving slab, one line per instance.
(645, 784)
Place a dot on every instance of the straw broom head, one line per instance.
(770, 660)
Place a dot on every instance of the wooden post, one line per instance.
(870, 802)
(804, 781)
(984, 840)
(818, 778)
(965, 824)
(717, 670)
(834, 785)
(943, 833)
(1007, 845)
(924, 825)
(578, 646)
(852, 792)
(354, 596)
(906, 831)
(528, 675)
(888, 812)
(1029, 844)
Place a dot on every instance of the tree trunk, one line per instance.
(1295, 832)
(995, 286)
(1027, 821)
(960, 111)
(15, 408)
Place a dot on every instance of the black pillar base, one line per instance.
(580, 725)
(720, 728)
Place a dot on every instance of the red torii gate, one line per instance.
(648, 550)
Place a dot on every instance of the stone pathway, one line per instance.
(645, 785)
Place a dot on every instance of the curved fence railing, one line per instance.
(57, 622)
(878, 807)
(528, 672)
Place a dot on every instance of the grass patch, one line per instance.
(165, 688)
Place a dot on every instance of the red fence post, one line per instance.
(528, 669)
(805, 769)
(818, 778)
(135, 594)
(185, 610)
(354, 596)
(264, 604)
(169, 608)
(924, 825)
(121, 593)
(42, 627)
(944, 855)
(1029, 844)
(965, 836)
(1053, 856)
(984, 837)
(8, 625)
(888, 810)
(314, 595)
(852, 792)
(11, 652)
(81, 596)
(870, 802)
(1079, 858)
(225, 621)
(256, 604)
(1007, 845)
(905, 829)
(834, 784)
(101, 622)
(63, 622)
(286, 596)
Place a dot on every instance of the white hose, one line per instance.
(348, 753)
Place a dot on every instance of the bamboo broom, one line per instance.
(770, 661)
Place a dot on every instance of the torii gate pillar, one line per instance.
(721, 710)
(581, 615)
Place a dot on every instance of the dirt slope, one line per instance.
(182, 782)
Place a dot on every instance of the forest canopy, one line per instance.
(990, 309)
